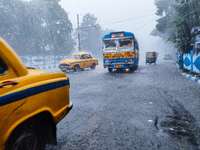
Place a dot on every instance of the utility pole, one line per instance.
(79, 47)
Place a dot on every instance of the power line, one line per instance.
(123, 21)
(144, 25)
(128, 19)
(132, 14)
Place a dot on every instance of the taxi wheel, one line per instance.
(26, 139)
(64, 70)
(76, 68)
(93, 66)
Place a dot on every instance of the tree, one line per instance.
(37, 26)
(178, 21)
(186, 20)
(90, 34)
(12, 22)
(166, 11)
(57, 27)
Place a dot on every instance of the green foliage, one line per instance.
(178, 20)
(38, 26)
(166, 12)
(184, 23)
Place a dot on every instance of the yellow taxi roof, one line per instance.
(80, 53)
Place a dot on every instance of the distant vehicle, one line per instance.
(167, 56)
(121, 51)
(151, 57)
(78, 61)
(32, 102)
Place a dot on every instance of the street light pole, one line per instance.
(79, 47)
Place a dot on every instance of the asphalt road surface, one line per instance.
(152, 108)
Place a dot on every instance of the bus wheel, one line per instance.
(110, 70)
(132, 69)
(136, 67)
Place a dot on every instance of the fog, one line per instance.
(137, 16)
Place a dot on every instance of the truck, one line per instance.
(32, 103)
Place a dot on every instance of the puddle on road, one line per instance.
(182, 125)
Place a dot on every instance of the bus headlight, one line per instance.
(107, 61)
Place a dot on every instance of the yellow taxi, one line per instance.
(78, 61)
(32, 102)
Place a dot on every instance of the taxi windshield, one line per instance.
(74, 56)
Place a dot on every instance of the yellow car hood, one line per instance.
(69, 61)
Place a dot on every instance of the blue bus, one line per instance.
(120, 51)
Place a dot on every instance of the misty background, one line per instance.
(50, 26)
(137, 16)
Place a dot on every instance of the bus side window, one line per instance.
(136, 45)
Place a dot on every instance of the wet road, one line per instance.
(153, 108)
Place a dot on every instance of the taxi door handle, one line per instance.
(8, 83)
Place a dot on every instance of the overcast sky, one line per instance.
(137, 16)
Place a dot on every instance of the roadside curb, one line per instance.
(191, 77)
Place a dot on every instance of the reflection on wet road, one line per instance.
(154, 107)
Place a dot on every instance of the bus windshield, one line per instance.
(125, 43)
(110, 43)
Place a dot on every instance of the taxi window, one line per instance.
(74, 56)
(3, 67)
(82, 56)
(88, 56)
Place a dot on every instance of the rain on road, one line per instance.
(154, 107)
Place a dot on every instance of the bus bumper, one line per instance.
(115, 66)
